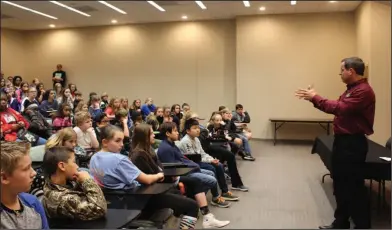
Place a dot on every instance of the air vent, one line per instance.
(4, 16)
(86, 9)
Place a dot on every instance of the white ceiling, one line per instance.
(143, 12)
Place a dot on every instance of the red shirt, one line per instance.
(354, 110)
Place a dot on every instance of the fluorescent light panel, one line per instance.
(246, 3)
(156, 6)
(28, 9)
(113, 7)
(201, 4)
(70, 8)
(293, 3)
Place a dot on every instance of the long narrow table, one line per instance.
(375, 168)
(279, 122)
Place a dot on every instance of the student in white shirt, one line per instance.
(87, 138)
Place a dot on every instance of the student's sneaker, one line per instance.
(248, 157)
(230, 196)
(241, 188)
(209, 221)
(220, 202)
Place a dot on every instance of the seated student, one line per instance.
(12, 100)
(185, 108)
(19, 210)
(85, 132)
(148, 108)
(82, 107)
(146, 160)
(67, 137)
(78, 98)
(40, 92)
(191, 146)
(219, 147)
(49, 104)
(114, 105)
(68, 192)
(169, 117)
(63, 117)
(176, 112)
(95, 109)
(121, 121)
(65, 97)
(30, 98)
(11, 121)
(240, 140)
(135, 107)
(72, 87)
(159, 114)
(125, 105)
(38, 123)
(58, 88)
(100, 121)
(23, 91)
(168, 152)
(104, 101)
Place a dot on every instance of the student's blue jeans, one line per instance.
(208, 180)
(219, 174)
(245, 143)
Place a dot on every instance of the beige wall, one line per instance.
(373, 22)
(179, 62)
(277, 54)
(13, 52)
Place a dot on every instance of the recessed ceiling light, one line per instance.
(52, 26)
(156, 6)
(293, 3)
(262, 8)
(70, 8)
(28, 9)
(113, 7)
(114, 21)
(201, 4)
(184, 17)
(246, 3)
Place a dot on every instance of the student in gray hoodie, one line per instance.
(191, 147)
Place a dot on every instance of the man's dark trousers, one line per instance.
(348, 165)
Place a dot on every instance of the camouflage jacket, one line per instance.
(75, 201)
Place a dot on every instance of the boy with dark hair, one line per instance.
(168, 152)
(190, 145)
(185, 108)
(68, 192)
(240, 115)
(19, 210)
(78, 98)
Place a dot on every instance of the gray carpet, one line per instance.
(285, 191)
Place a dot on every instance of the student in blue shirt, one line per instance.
(148, 108)
(116, 171)
(19, 210)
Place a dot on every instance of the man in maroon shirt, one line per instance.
(354, 118)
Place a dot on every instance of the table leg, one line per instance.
(275, 133)
(379, 196)
(328, 128)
